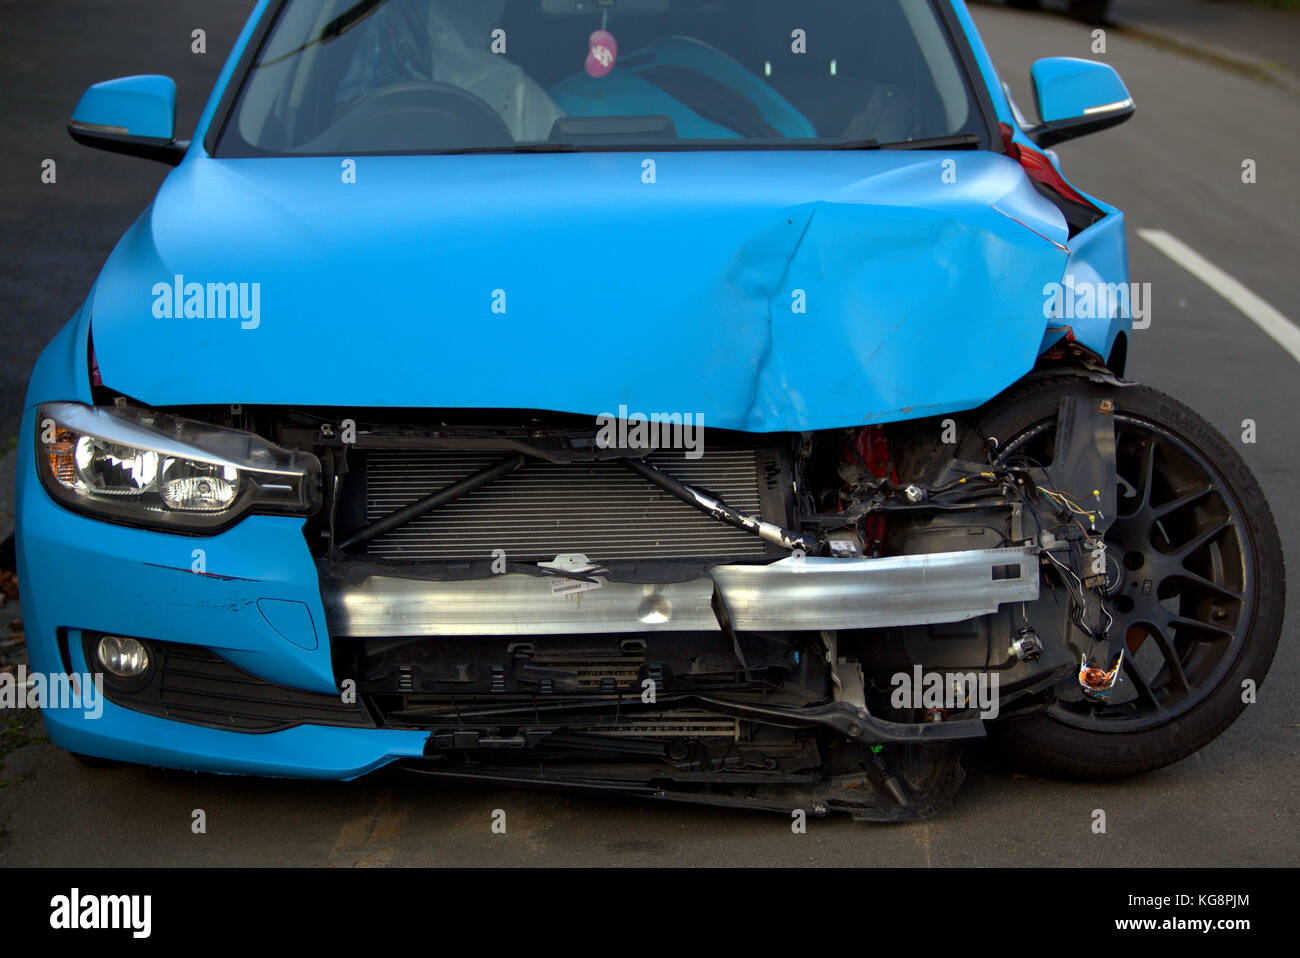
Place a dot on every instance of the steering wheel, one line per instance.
(417, 116)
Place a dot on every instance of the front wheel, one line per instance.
(1196, 583)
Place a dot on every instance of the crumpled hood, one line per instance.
(764, 291)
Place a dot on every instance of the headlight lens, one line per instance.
(158, 470)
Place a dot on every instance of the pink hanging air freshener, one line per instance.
(602, 53)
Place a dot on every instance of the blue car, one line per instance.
(706, 400)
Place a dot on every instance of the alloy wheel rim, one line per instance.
(1180, 577)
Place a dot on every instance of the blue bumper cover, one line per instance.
(257, 605)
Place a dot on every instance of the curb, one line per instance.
(1247, 64)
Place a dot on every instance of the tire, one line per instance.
(1158, 725)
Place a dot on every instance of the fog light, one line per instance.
(123, 657)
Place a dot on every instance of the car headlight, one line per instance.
(152, 469)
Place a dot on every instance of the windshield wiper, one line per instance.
(955, 141)
(512, 148)
(968, 141)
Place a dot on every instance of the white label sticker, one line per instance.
(563, 586)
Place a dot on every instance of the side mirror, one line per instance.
(1076, 97)
(133, 115)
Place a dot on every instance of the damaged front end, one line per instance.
(795, 621)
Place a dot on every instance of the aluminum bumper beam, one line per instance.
(791, 594)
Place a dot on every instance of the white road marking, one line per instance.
(1284, 332)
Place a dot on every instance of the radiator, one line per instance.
(599, 509)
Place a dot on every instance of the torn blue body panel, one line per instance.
(1099, 263)
(211, 591)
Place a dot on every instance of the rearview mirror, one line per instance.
(1076, 97)
(133, 115)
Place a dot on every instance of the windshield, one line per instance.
(363, 77)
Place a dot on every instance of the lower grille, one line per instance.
(191, 684)
(599, 509)
(593, 672)
(683, 723)
(460, 718)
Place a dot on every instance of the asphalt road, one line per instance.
(1175, 167)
